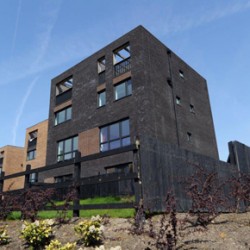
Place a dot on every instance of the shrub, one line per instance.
(37, 233)
(56, 245)
(90, 231)
(4, 238)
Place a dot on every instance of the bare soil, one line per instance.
(228, 231)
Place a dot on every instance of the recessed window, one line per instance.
(189, 136)
(115, 135)
(121, 169)
(65, 85)
(181, 74)
(31, 155)
(121, 59)
(63, 178)
(66, 148)
(63, 115)
(101, 66)
(123, 89)
(191, 108)
(101, 98)
(32, 141)
(121, 53)
(178, 100)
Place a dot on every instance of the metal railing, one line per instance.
(122, 67)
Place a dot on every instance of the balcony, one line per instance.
(122, 67)
(63, 97)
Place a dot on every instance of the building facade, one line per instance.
(133, 90)
(11, 162)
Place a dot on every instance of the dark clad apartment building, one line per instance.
(132, 91)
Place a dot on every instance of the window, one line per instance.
(181, 74)
(63, 178)
(178, 100)
(123, 89)
(189, 136)
(191, 108)
(101, 98)
(101, 66)
(123, 169)
(65, 85)
(63, 115)
(66, 149)
(121, 60)
(115, 135)
(32, 145)
(31, 155)
(33, 178)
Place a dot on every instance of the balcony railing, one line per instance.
(122, 67)
(102, 77)
(63, 97)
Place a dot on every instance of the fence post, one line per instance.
(2, 181)
(27, 177)
(138, 181)
(77, 176)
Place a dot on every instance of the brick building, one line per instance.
(134, 90)
(35, 148)
(11, 161)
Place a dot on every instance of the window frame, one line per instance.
(128, 90)
(65, 110)
(71, 153)
(120, 138)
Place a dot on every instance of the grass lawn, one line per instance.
(114, 213)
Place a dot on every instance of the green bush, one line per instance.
(90, 231)
(4, 238)
(37, 233)
(56, 245)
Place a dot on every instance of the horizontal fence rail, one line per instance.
(101, 184)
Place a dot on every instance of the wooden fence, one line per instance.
(79, 183)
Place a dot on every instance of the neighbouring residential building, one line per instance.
(11, 162)
(35, 148)
(134, 90)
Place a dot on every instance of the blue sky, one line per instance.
(40, 39)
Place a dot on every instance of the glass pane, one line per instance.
(60, 117)
(104, 134)
(69, 113)
(104, 147)
(60, 148)
(75, 143)
(114, 131)
(120, 91)
(60, 158)
(68, 156)
(68, 145)
(115, 144)
(125, 128)
(102, 99)
(129, 87)
(126, 141)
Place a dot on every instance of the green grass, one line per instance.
(114, 213)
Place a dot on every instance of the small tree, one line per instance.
(207, 196)
(240, 190)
